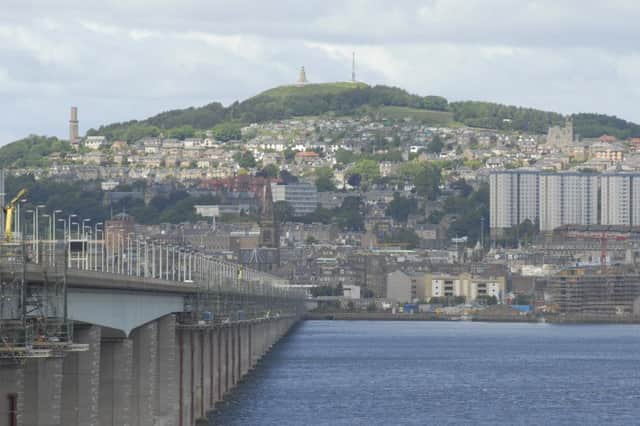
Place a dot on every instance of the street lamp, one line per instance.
(37, 232)
(84, 241)
(53, 224)
(47, 243)
(69, 224)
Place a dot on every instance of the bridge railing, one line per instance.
(144, 258)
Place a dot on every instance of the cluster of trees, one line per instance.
(504, 117)
(32, 151)
(86, 199)
(596, 125)
(425, 177)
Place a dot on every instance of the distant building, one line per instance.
(560, 136)
(117, 230)
(568, 198)
(405, 287)
(302, 196)
(620, 199)
(469, 286)
(594, 293)
(95, 142)
(74, 136)
(514, 197)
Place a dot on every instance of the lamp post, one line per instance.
(48, 235)
(78, 233)
(64, 233)
(37, 232)
(69, 226)
(84, 241)
(53, 223)
(101, 246)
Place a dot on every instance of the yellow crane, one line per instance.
(9, 211)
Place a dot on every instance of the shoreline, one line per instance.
(424, 316)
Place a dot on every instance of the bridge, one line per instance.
(129, 331)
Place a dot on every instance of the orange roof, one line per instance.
(307, 154)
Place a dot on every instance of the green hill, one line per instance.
(356, 98)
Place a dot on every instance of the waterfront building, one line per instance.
(597, 293)
(469, 286)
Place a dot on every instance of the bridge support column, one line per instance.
(81, 380)
(116, 368)
(145, 356)
(43, 392)
(205, 372)
(11, 395)
(166, 405)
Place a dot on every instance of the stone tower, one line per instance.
(269, 230)
(302, 78)
(73, 125)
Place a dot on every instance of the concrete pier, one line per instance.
(163, 374)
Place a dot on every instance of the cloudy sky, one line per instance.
(124, 59)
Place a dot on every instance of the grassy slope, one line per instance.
(422, 115)
(311, 89)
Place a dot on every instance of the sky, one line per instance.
(119, 60)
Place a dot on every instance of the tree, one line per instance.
(324, 179)
(350, 216)
(283, 211)
(268, 171)
(227, 131)
(435, 145)
(425, 176)
(287, 177)
(401, 207)
(310, 240)
(345, 157)
(369, 170)
(245, 159)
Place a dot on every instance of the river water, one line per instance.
(439, 373)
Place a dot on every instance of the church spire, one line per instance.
(269, 232)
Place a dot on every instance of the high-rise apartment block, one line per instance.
(564, 198)
(514, 198)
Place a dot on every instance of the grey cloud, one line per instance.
(119, 60)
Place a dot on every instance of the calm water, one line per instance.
(417, 373)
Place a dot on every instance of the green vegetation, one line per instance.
(425, 176)
(324, 179)
(86, 200)
(596, 125)
(32, 151)
(401, 207)
(227, 131)
(428, 117)
(504, 117)
(277, 104)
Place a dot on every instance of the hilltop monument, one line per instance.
(302, 78)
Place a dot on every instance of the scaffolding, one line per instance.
(33, 318)
(611, 292)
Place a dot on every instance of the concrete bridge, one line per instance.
(138, 334)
